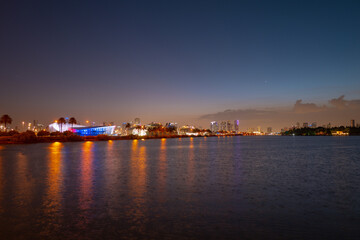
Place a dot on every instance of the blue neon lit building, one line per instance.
(93, 131)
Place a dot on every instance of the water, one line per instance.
(198, 188)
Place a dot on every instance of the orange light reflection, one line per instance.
(138, 184)
(85, 200)
(54, 184)
(162, 169)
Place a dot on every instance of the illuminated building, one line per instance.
(139, 132)
(55, 127)
(339, 133)
(269, 130)
(93, 131)
(188, 130)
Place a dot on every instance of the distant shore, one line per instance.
(5, 140)
(51, 139)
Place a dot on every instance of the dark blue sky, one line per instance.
(174, 60)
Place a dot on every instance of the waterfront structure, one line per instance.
(93, 131)
(188, 130)
(339, 133)
(55, 127)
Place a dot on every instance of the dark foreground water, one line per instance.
(201, 188)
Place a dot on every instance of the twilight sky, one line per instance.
(267, 63)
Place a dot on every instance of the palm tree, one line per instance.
(61, 121)
(5, 119)
(72, 121)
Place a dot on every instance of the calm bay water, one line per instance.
(198, 188)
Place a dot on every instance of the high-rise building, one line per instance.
(236, 125)
(314, 125)
(223, 126)
(259, 129)
(352, 123)
(214, 127)
(228, 126)
(305, 124)
(297, 125)
(269, 130)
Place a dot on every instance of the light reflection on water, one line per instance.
(86, 182)
(222, 187)
(53, 198)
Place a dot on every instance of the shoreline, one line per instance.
(7, 140)
(49, 139)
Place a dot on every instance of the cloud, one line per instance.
(341, 103)
(300, 107)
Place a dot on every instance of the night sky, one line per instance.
(181, 61)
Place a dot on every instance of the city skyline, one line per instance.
(269, 64)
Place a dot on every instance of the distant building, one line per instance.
(236, 125)
(223, 126)
(214, 127)
(259, 129)
(297, 125)
(314, 125)
(228, 126)
(269, 130)
(352, 123)
(305, 125)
